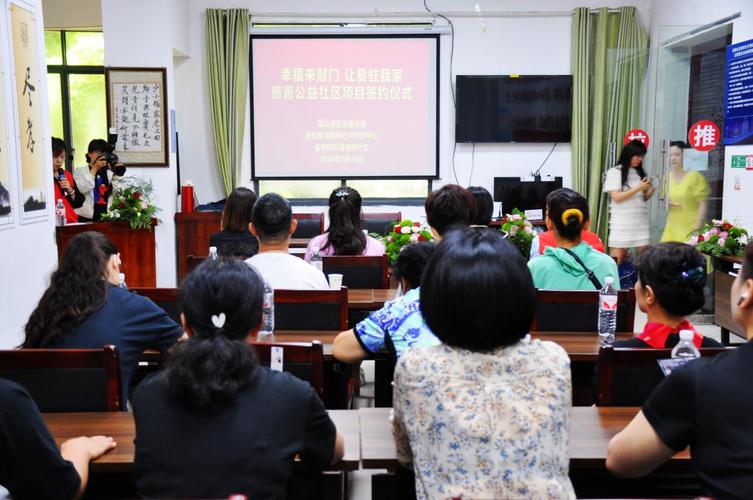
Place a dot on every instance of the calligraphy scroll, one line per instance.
(137, 109)
(33, 184)
(6, 206)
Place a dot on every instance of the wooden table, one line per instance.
(591, 428)
(580, 346)
(369, 299)
(121, 427)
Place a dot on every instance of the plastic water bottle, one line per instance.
(268, 310)
(685, 349)
(316, 259)
(60, 213)
(212, 253)
(121, 280)
(607, 312)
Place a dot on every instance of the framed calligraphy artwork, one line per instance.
(33, 155)
(137, 110)
(6, 191)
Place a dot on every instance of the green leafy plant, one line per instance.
(719, 238)
(519, 231)
(404, 233)
(131, 201)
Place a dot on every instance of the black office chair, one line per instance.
(309, 225)
(380, 223)
(359, 271)
(577, 310)
(311, 309)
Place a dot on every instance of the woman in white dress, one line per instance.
(629, 189)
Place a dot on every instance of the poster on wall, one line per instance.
(137, 110)
(738, 99)
(33, 182)
(6, 196)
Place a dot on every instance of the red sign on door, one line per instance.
(636, 134)
(704, 135)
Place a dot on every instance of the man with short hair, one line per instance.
(272, 223)
(449, 207)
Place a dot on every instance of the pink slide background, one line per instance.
(406, 129)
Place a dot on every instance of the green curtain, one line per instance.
(227, 57)
(609, 53)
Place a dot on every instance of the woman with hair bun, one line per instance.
(573, 264)
(214, 422)
(345, 235)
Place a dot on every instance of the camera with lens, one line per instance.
(110, 157)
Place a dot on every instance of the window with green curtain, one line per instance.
(76, 89)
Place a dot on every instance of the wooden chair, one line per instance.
(311, 309)
(577, 310)
(309, 225)
(193, 261)
(380, 223)
(359, 271)
(67, 380)
(166, 298)
(627, 376)
(303, 359)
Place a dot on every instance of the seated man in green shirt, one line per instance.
(574, 264)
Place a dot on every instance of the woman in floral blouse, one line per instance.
(485, 414)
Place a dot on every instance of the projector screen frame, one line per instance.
(328, 35)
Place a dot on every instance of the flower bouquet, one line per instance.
(519, 231)
(131, 201)
(720, 238)
(404, 233)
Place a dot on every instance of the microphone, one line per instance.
(61, 174)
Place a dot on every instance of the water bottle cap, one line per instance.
(608, 280)
(212, 249)
(121, 277)
(686, 334)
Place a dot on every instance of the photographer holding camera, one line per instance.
(95, 180)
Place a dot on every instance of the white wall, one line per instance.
(513, 43)
(28, 252)
(136, 34)
(679, 16)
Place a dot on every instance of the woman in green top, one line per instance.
(574, 264)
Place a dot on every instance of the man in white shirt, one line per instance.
(272, 223)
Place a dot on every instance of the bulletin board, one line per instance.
(136, 109)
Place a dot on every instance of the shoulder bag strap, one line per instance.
(589, 273)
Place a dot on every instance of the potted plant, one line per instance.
(519, 231)
(404, 233)
(131, 201)
(720, 238)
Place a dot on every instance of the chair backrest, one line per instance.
(166, 298)
(309, 225)
(311, 309)
(577, 310)
(359, 271)
(67, 380)
(380, 223)
(193, 261)
(303, 359)
(626, 376)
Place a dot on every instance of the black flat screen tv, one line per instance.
(513, 108)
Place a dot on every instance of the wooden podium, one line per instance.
(136, 247)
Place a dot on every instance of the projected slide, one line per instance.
(344, 106)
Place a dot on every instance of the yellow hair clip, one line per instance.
(572, 211)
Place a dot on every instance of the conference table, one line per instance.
(120, 425)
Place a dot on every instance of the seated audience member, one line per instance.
(235, 239)
(95, 181)
(272, 223)
(482, 216)
(704, 404)
(573, 264)
(547, 238)
(486, 413)
(345, 235)
(671, 279)
(449, 207)
(30, 464)
(65, 186)
(398, 325)
(214, 422)
(84, 308)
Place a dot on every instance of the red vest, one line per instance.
(546, 239)
(70, 215)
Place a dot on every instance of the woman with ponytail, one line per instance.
(214, 422)
(573, 264)
(345, 235)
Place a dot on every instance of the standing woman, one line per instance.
(345, 235)
(235, 239)
(629, 189)
(65, 186)
(688, 195)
